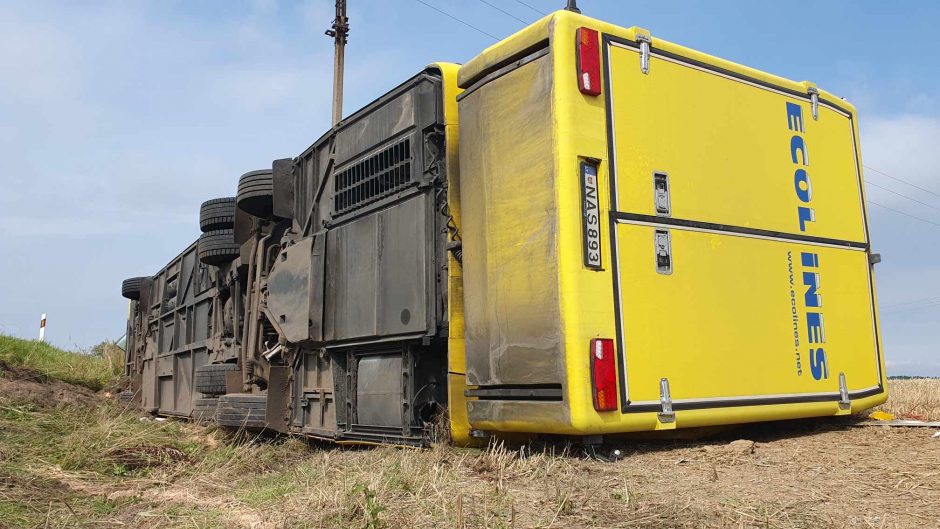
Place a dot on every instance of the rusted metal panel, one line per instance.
(377, 275)
(314, 404)
(379, 395)
(278, 399)
(283, 176)
(290, 291)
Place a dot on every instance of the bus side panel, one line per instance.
(509, 228)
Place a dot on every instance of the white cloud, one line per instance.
(259, 88)
(37, 61)
(907, 147)
(97, 137)
(120, 118)
(906, 284)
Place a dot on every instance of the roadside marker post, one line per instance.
(42, 328)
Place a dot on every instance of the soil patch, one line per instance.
(25, 385)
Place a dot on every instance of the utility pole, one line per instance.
(338, 31)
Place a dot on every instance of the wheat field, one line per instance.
(914, 398)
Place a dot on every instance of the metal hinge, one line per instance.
(270, 352)
(844, 401)
(645, 42)
(814, 100)
(661, 194)
(662, 242)
(665, 402)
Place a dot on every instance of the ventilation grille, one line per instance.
(378, 176)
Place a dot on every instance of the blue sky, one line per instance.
(118, 118)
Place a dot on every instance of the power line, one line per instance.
(533, 8)
(915, 186)
(503, 11)
(469, 25)
(912, 307)
(902, 213)
(912, 304)
(902, 196)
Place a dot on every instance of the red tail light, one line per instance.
(589, 62)
(603, 374)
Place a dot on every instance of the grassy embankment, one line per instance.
(93, 369)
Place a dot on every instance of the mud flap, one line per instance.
(276, 413)
(234, 382)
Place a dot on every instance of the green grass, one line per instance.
(100, 440)
(45, 450)
(96, 369)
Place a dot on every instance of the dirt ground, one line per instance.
(784, 475)
(139, 472)
(29, 385)
(822, 474)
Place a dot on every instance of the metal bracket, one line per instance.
(661, 200)
(662, 246)
(270, 353)
(844, 402)
(814, 100)
(666, 414)
(645, 43)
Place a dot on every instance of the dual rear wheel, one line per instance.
(217, 244)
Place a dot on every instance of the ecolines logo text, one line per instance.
(803, 186)
(815, 326)
(800, 156)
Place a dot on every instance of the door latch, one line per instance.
(663, 248)
(814, 102)
(845, 402)
(661, 194)
(645, 41)
(666, 414)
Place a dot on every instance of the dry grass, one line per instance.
(102, 467)
(815, 474)
(915, 399)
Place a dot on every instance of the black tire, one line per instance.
(210, 379)
(218, 247)
(256, 193)
(204, 410)
(217, 214)
(242, 410)
(130, 288)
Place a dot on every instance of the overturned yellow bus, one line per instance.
(583, 231)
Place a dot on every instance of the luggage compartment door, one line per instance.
(733, 320)
(739, 247)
